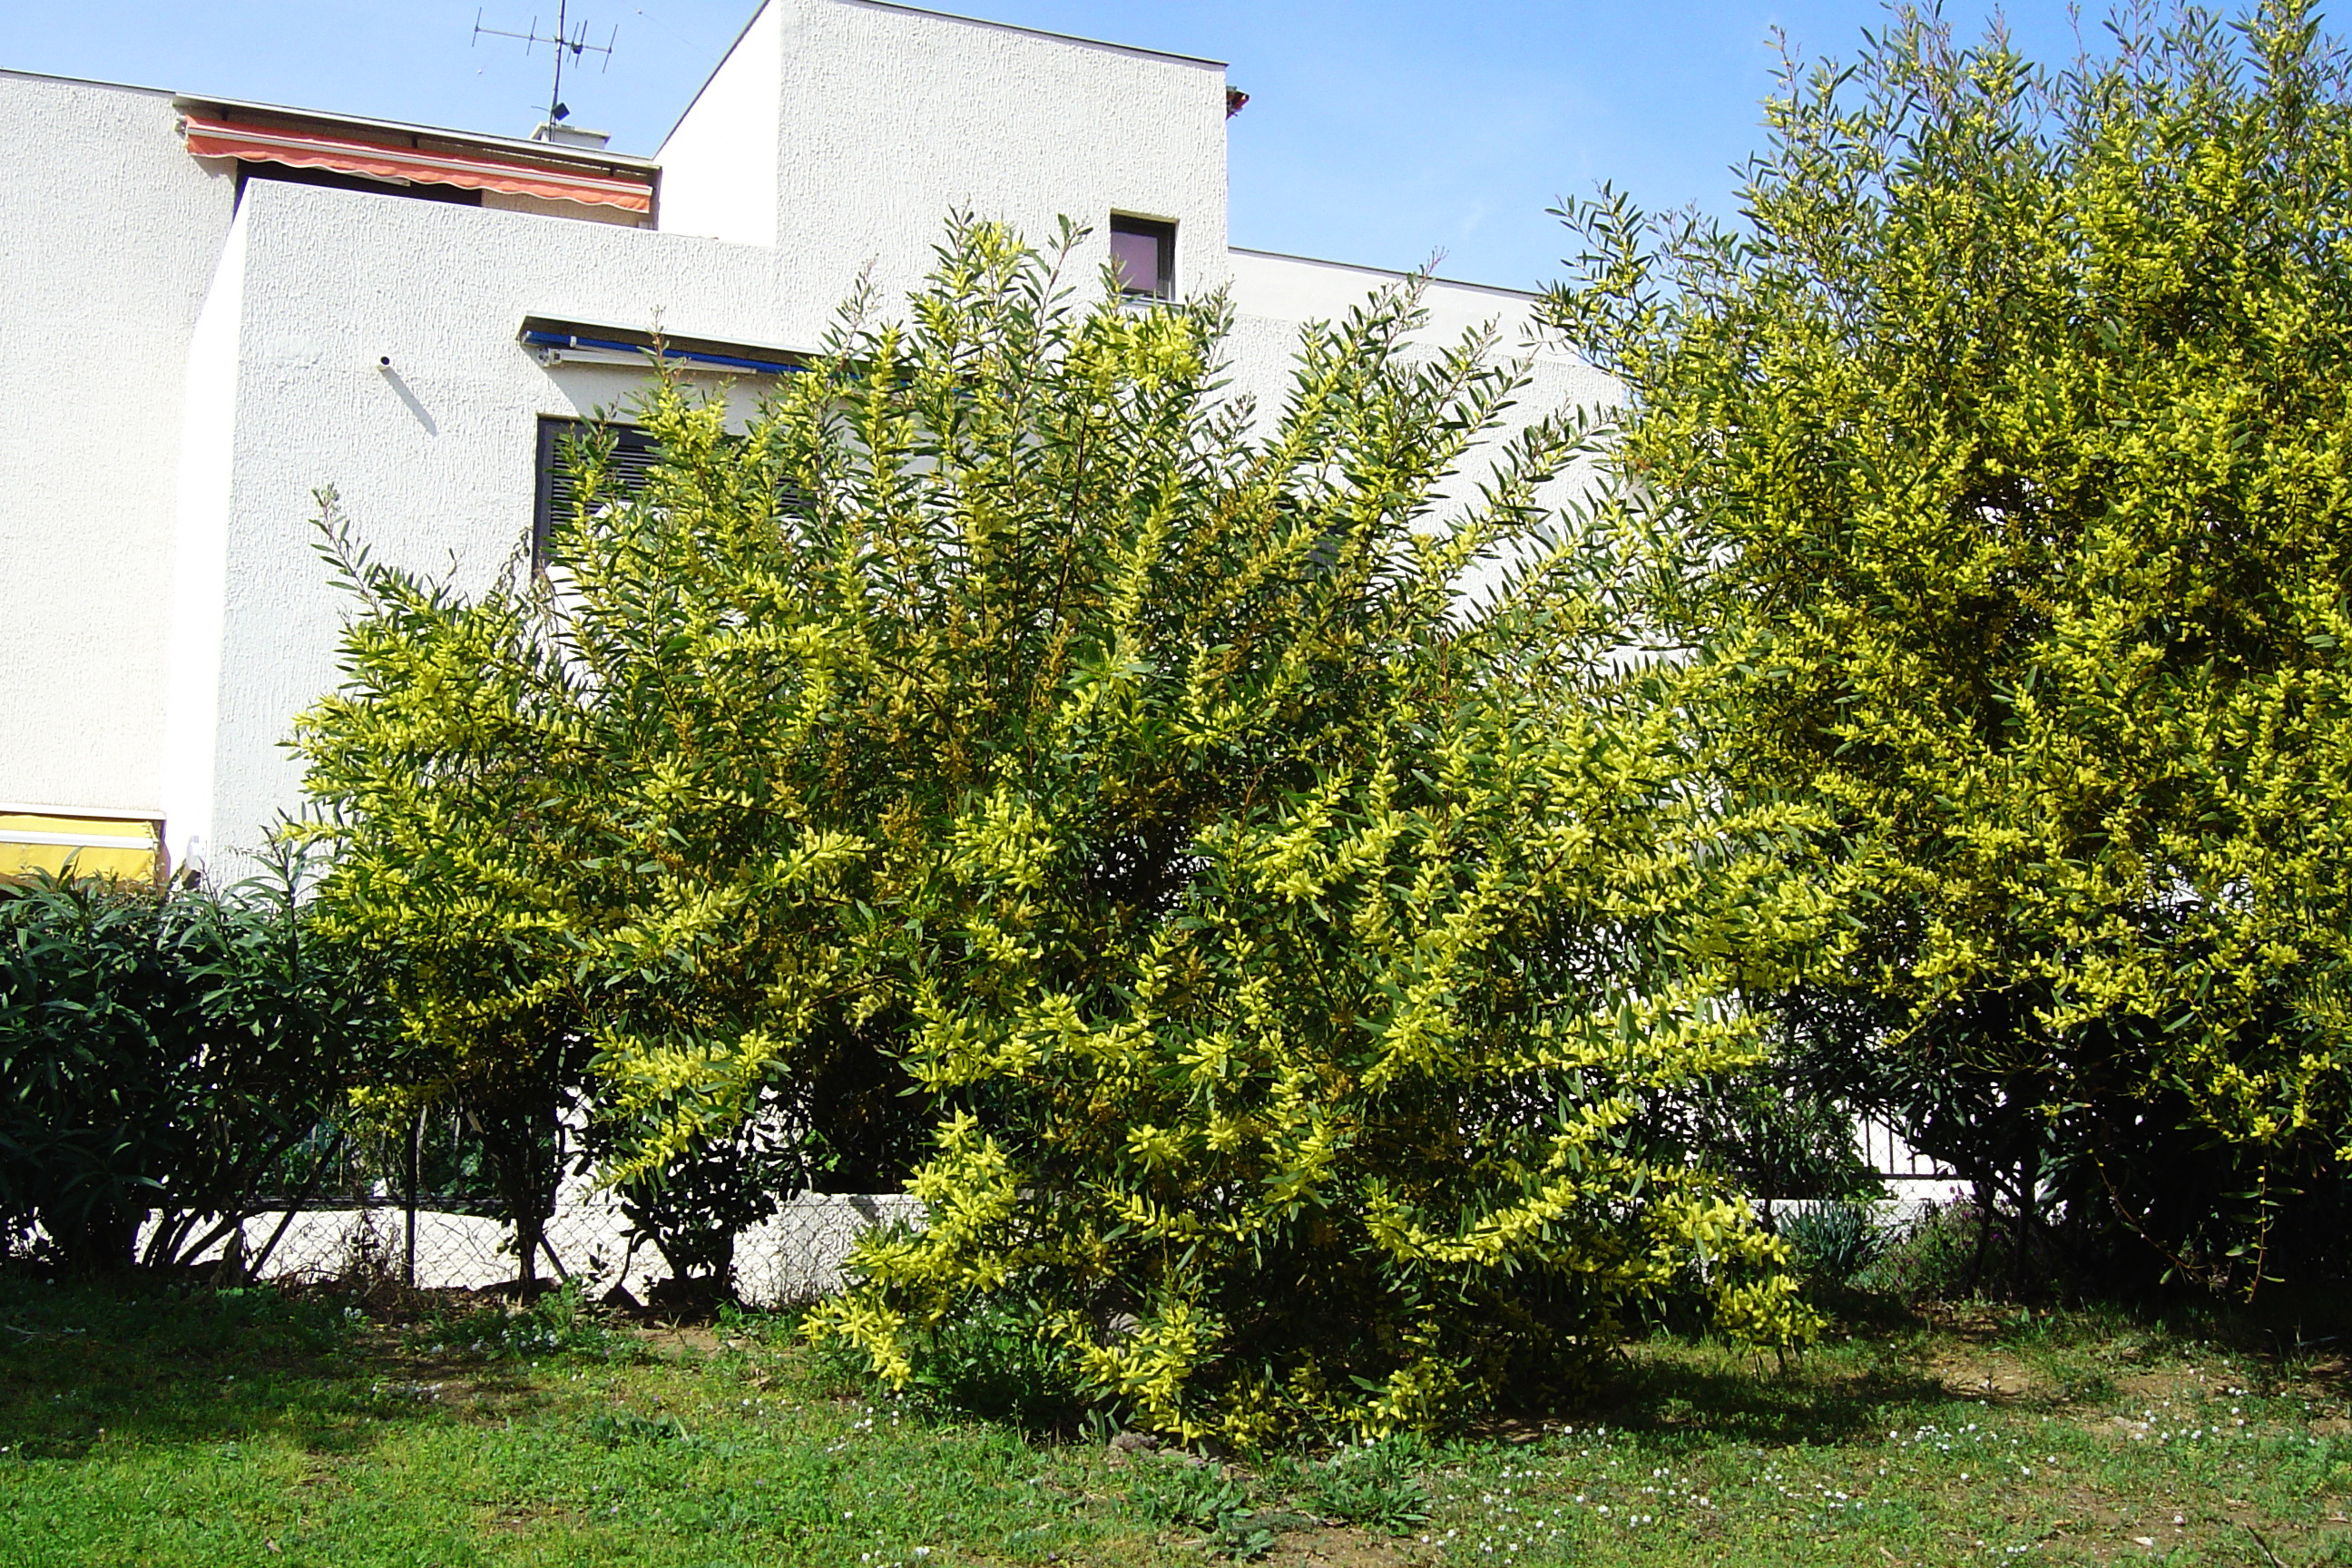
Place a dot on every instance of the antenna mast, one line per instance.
(565, 40)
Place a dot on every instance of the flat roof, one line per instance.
(757, 11)
(88, 82)
(1045, 32)
(555, 151)
(1385, 271)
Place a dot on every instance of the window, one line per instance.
(1144, 251)
(634, 456)
(634, 453)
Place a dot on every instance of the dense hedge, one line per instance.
(162, 1055)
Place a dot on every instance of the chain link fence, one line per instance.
(794, 1256)
(353, 1221)
(424, 1212)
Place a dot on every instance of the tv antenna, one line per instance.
(566, 41)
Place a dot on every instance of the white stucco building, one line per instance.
(215, 307)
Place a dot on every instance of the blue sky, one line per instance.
(1378, 131)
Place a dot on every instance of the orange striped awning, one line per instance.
(477, 170)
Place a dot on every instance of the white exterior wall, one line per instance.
(165, 616)
(432, 460)
(719, 164)
(207, 478)
(1301, 288)
(883, 120)
(1273, 294)
(434, 456)
(109, 232)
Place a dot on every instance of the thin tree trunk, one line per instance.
(309, 1190)
(2029, 1213)
(1982, 1187)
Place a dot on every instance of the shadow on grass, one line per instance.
(1713, 1395)
(146, 1361)
(1877, 1369)
(2288, 1338)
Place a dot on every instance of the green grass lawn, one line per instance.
(143, 1426)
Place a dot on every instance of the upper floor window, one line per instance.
(1144, 251)
(634, 453)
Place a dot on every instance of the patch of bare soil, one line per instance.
(452, 1382)
(467, 1390)
(1338, 1546)
(1979, 1373)
(516, 1519)
(700, 1338)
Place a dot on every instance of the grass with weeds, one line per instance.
(1378, 1486)
(1986, 1438)
(140, 1425)
(160, 1427)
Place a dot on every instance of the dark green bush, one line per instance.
(161, 1055)
(1939, 1257)
(692, 1208)
(1765, 1128)
(993, 1364)
(1834, 1241)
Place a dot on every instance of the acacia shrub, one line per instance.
(1994, 474)
(1278, 940)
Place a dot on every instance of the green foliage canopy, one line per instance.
(1996, 471)
(1282, 941)
(163, 1054)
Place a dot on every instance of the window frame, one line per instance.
(1163, 231)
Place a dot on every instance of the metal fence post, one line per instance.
(415, 1158)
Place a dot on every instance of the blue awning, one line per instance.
(557, 343)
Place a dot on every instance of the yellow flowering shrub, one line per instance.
(1999, 471)
(1280, 943)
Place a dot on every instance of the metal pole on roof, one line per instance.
(565, 38)
(555, 106)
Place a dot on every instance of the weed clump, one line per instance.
(560, 1324)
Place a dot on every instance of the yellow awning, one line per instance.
(126, 846)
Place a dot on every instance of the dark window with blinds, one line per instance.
(634, 453)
